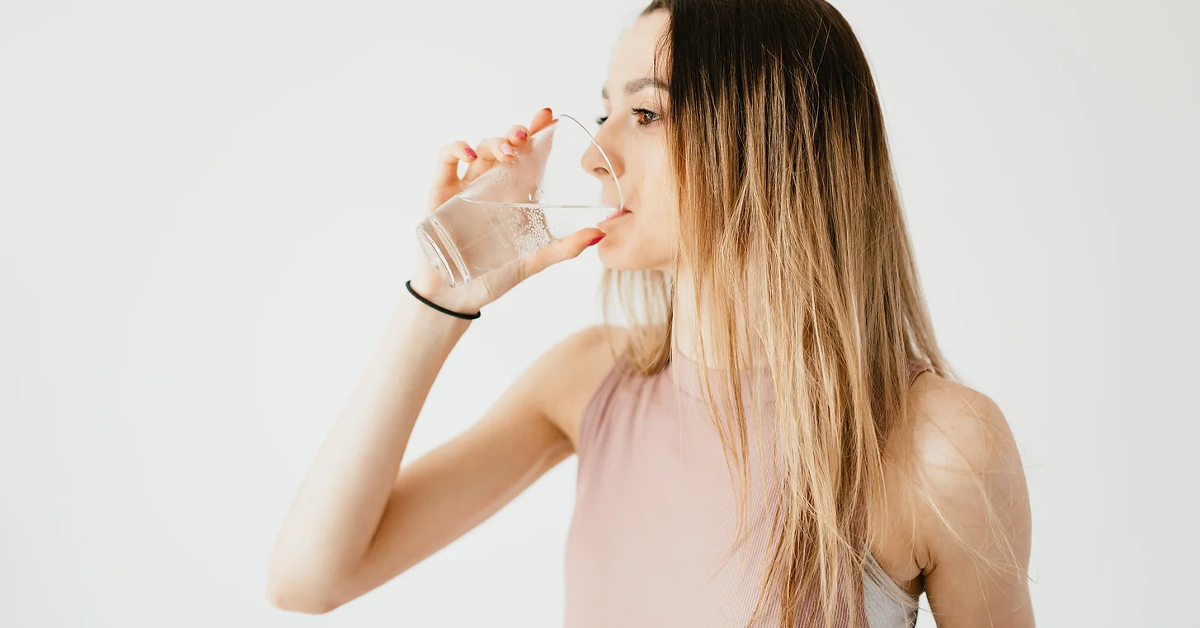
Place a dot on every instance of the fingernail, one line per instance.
(595, 240)
(507, 149)
(522, 134)
(471, 153)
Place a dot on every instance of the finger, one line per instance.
(559, 251)
(504, 150)
(492, 149)
(489, 153)
(448, 159)
(541, 120)
(518, 135)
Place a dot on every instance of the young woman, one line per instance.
(778, 441)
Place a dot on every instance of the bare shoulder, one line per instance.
(567, 375)
(960, 437)
(974, 520)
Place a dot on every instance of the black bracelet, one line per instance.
(408, 284)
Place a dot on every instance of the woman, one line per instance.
(778, 443)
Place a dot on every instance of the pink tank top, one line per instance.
(655, 514)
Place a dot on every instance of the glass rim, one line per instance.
(611, 172)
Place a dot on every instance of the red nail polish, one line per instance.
(522, 134)
(596, 240)
(471, 153)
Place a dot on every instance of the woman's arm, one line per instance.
(357, 521)
(974, 532)
(333, 518)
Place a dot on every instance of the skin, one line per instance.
(357, 522)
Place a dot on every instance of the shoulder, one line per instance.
(956, 427)
(958, 432)
(969, 470)
(569, 373)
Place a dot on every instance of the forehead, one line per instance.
(633, 55)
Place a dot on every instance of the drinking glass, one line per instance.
(516, 208)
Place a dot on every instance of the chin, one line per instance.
(614, 256)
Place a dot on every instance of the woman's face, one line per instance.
(633, 138)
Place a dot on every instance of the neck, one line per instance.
(690, 325)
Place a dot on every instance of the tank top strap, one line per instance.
(915, 368)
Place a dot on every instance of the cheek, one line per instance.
(649, 238)
(646, 241)
(662, 198)
(660, 214)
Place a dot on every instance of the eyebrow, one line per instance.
(637, 85)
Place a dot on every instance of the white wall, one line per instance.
(206, 214)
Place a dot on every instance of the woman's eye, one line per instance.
(640, 113)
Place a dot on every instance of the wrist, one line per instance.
(430, 287)
(444, 310)
(429, 322)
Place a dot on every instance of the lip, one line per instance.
(617, 214)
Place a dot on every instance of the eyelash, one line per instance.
(636, 111)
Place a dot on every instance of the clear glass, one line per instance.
(516, 208)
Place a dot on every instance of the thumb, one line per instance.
(560, 250)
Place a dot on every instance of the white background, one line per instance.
(206, 215)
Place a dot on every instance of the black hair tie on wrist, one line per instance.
(408, 284)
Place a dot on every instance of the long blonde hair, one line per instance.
(787, 193)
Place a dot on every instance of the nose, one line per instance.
(593, 162)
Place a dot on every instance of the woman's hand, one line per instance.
(473, 295)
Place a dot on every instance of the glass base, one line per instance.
(439, 258)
